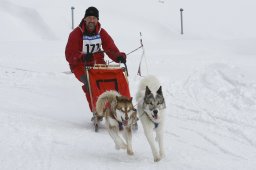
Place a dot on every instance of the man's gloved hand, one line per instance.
(121, 57)
(87, 57)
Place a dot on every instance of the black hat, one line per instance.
(91, 11)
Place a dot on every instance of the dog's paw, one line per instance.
(130, 152)
(157, 158)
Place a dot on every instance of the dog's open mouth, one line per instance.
(125, 122)
(155, 116)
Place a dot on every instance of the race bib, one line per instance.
(91, 44)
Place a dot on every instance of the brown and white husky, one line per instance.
(119, 115)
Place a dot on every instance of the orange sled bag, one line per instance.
(106, 78)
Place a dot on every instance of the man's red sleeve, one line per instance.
(108, 45)
(73, 50)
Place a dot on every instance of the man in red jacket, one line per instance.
(84, 47)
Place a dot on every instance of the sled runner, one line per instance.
(102, 78)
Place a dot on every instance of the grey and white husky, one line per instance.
(151, 106)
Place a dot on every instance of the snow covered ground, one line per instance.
(208, 76)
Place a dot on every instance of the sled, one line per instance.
(104, 77)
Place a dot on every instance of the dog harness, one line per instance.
(120, 124)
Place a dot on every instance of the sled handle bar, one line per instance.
(120, 62)
(126, 69)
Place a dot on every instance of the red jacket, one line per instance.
(74, 47)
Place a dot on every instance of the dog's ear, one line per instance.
(159, 91)
(130, 100)
(147, 92)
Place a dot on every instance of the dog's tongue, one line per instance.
(125, 122)
(155, 116)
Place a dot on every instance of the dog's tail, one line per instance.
(104, 98)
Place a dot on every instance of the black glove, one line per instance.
(121, 58)
(87, 57)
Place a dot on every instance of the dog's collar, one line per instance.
(120, 124)
(121, 127)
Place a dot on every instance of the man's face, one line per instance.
(91, 22)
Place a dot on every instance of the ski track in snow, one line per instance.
(198, 102)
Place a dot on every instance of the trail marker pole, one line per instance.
(181, 20)
(72, 16)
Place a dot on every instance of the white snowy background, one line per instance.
(208, 78)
